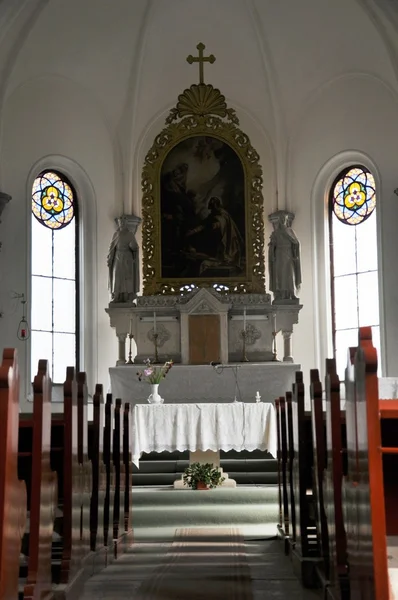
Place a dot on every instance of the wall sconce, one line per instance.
(4, 199)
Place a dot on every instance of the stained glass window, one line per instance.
(54, 268)
(354, 263)
(354, 196)
(52, 200)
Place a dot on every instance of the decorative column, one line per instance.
(287, 346)
(184, 332)
(122, 349)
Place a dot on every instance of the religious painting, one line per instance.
(202, 210)
(202, 204)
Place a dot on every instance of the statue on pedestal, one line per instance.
(123, 261)
(284, 261)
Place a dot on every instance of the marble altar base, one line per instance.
(203, 383)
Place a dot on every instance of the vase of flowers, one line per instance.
(154, 375)
(154, 397)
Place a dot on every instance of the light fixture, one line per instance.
(23, 332)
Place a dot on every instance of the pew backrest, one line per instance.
(333, 477)
(364, 508)
(44, 490)
(13, 497)
(319, 457)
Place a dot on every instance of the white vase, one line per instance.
(154, 397)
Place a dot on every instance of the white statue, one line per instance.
(123, 263)
(284, 258)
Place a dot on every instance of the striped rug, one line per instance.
(201, 564)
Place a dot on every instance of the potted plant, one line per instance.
(199, 476)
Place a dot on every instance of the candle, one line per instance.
(244, 319)
(131, 326)
(154, 322)
(274, 323)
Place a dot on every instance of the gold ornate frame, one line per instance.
(202, 110)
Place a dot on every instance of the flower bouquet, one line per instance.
(154, 374)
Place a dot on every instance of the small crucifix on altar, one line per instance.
(201, 60)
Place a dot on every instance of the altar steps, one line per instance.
(159, 511)
(247, 468)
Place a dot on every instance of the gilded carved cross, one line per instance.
(201, 60)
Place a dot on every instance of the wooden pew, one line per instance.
(319, 458)
(335, 469)
(118, 499)
(128, 487)
(109, 481)
(98, 479)
(285, 530)
(306, 552)
(289, 467)
(279, 465)
(13, 496)
(84, 462)
(43, 492)
(70, 561)
(366, 502)
(121, 455)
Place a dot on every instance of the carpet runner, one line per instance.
(202, 563)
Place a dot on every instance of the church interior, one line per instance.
(198, 299)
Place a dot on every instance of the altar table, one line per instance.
(233, 426)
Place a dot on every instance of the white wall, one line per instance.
(88, 89)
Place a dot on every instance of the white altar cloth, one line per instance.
(234, 426)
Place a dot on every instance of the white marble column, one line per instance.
(122, 349)
(287, 346)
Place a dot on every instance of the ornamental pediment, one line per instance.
(204, 303)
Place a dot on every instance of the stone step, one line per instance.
(159, 511)
(178, 466)
(168, 478)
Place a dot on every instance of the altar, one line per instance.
(204, 383)
(203, 298)
(169, 427)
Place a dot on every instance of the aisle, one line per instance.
(200, 567)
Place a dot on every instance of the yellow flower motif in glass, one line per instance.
(355, 195)
(51, 200)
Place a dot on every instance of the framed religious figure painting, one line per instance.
(202, 201)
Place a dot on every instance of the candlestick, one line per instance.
(244, 319)
(154, 323)
(155, 341)
(244, 357)
(274, 332)
(130, 360)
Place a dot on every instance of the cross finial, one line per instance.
(201, 60)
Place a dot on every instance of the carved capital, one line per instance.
(285, 215)
(132, 222)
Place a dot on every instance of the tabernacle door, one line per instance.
(204, 339)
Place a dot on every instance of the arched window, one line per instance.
(54, 268)
(354, 265)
